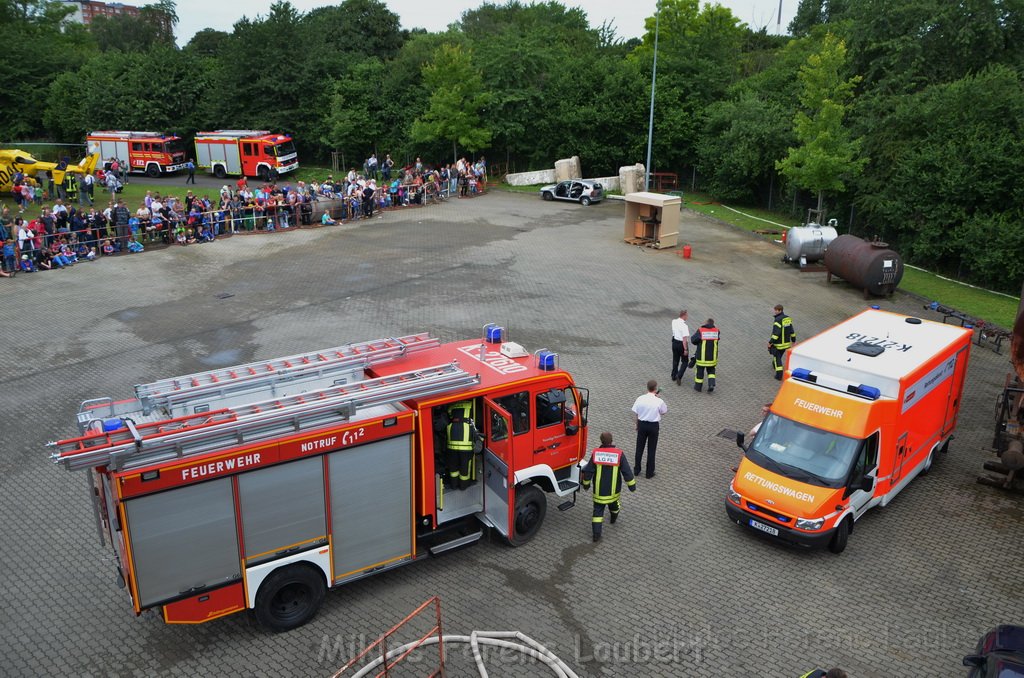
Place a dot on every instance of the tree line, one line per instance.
(901, 119)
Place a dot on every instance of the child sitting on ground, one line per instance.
(27, 266)
(108, 248)
(134, 245)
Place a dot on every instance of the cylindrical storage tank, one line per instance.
(867, 265)
(808, 242)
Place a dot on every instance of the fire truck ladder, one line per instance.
(279, 377)
(147, 443)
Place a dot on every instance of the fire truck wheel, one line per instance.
(289, 597)
(531, 507)
(153, 171)
(263, 172)
(839, 539)
(219, 171)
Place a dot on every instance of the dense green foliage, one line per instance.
(905, 114)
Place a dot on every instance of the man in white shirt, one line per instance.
(648, 410)
(680, 348)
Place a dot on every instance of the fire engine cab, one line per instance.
(262, 485)
(250, 153)
(150, 152)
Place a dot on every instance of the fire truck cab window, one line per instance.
(247, 149)
(518, 405)
(136, 145)
(550, 406)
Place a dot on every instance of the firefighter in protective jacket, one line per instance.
(607, 468)
(460, 438)
(783, 337)
(705, 356)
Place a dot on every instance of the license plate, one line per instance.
(774, 531)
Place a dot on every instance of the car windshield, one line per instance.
(802, 452)
(286, 148)
(175, 147)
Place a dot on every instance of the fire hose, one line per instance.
(512, 640)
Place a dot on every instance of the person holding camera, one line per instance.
(647, 411)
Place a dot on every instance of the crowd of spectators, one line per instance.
(71, 229)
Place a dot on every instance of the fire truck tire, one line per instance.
(841, 537)
(219, 171)
(153, 171)
(531, 507)
(290, 597)
(263, 172)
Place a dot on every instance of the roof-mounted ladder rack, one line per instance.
(172, 395)
(146, 443)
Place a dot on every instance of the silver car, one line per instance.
(582, 191)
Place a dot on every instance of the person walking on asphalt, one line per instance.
(705, 356)
(607, 468)
(680, 349)
(191, 167)
(783, 336)
(648, 410)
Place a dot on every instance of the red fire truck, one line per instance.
(251, 153)
(150, 152)
(262, 485)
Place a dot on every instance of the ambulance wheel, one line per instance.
(290, 597)
(153, 171)
(531, 507)
(839, 539)
(219, 171)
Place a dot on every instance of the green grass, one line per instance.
(977, 303)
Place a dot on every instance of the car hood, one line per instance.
(784, 494)
(550, 187)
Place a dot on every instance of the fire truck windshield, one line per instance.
(283, 149)
(802, 452)
(175, 147)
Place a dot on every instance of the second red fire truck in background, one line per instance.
(153, 153)
(251, 153)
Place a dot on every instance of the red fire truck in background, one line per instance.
(262, 485)
(150, 152)
(251, 153)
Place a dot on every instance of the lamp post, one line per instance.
(650, 124)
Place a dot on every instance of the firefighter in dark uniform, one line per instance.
(607, 468)
(460, 438)
(783, 337)
(705, 356)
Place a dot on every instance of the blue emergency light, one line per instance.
(804, 374)
(869, 392)
(547, 360)
(493, 333)
(112, 425)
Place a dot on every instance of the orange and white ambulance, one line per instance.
(864, 408)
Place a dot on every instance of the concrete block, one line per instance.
(568, 168)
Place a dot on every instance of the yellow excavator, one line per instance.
(13, 161)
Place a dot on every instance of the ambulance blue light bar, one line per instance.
(869, 392)
(804, 374)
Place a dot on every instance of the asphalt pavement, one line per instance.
(673, 589)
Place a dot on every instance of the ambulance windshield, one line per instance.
(803, 453)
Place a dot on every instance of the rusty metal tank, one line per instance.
(807, 244)
(868, 265)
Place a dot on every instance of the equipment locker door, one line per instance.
(497, 457)
(371, 506)
(956, 385)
